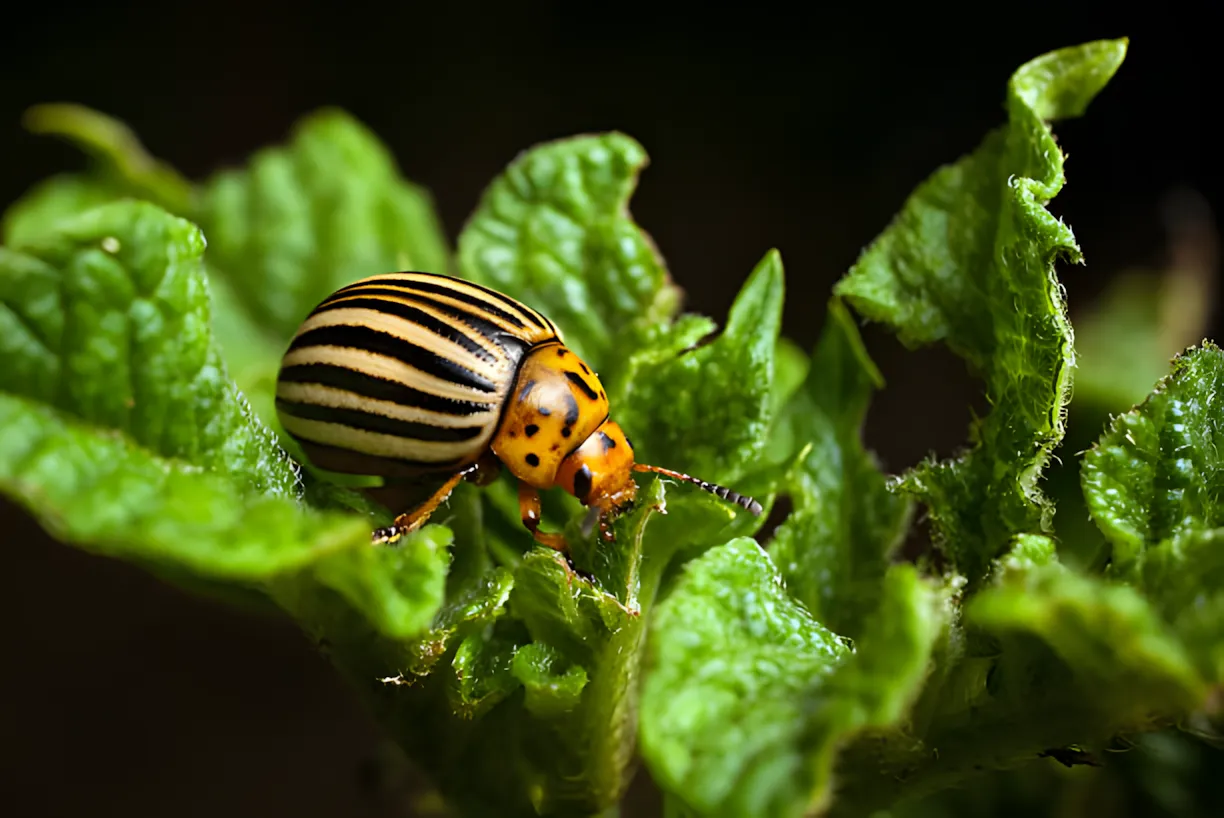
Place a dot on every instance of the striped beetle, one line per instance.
(420, 377)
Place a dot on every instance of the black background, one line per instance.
(766, 128)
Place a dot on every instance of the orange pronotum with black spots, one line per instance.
(419, 376)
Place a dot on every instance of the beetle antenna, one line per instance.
(721, 491)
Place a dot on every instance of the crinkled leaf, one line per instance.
(969, 261)
(710, 408)
(1157, 471)
(107, 317)
(564, 743)
(833, 550)
(734, 661)
(398, 589)
(482, 672)
(554, 231)
(553, 687)
(749, 697)
(1152, 484)
(95, 488)
(304, 219)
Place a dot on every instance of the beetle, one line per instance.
(418, 377)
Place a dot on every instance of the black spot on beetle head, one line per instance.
(531, 429)
(606, 441)
(582, 483)
(566, 432)
(533, 459)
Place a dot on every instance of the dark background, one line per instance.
(803, 131)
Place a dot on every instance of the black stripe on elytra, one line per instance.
(531, 315)
(504, 299)
(382, 343)
(578, 381)
(405, 286)
(582, 483)
(416, 315)
(373, 422)
(485, 327)
(369, 386)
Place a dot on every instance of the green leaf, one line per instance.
(482, 672)
(1156, 472)
(107, 317)
(154, 455)
(1120, 343)
(1127, 663)
(554, 231)
(749, 698)
(304, 219)
(121, 162)
(1152, 487)
(834, 548)
(51, 201)
(300, 221)
(96, 489)
(708, 410)
(969, 261)
(553, 687)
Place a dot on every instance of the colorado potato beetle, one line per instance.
(425, 377)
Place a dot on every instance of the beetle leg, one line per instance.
(485, 470)
(412, 520)
(529, 508)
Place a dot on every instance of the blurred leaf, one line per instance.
(302, 220)
(121, 161)
(554, 231)
(1125, 339)
(833, 550)
(749, 698)
(969, 261)
(51, 201)
(1118, 343)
